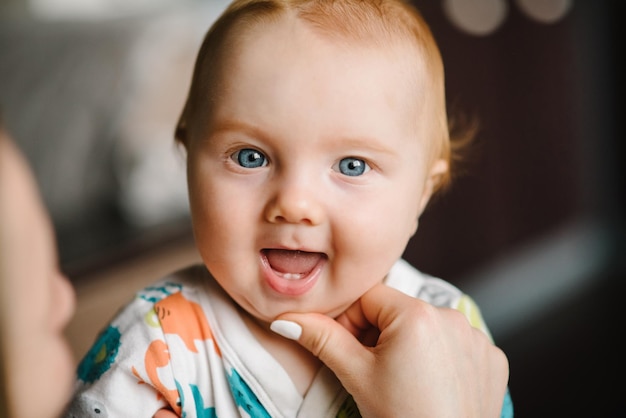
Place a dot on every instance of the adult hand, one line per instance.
(165, 413)
(426, 361)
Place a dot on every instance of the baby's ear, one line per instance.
(435, 175)
(180, 133)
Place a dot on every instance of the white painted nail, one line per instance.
(287, 329)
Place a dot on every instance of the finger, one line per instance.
(381, 306)
(375, 309)
(328, 340)
(165, 413)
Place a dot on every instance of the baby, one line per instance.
(316, 133)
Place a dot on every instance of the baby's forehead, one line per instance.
(291, 49)
(395, 46)
(397, 35)
(364, 29)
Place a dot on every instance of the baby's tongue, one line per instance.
(288, 261)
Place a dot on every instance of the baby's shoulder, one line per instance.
(408, 279)
(190, 279)
(436, 291)
(184, 283)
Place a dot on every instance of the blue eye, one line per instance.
(353, 167)
(249, 158)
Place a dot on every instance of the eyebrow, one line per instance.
(231, 125)
(358, 142)
(365, 142)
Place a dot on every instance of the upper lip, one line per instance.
(304, 250)
(292, 240)
(281, 246)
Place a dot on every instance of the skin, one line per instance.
(439, 365)
(299, 202)
(37, 301)
(36, 357)
(293, 103)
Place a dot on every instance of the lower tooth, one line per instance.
(292, 276)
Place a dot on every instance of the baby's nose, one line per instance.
(295, 202)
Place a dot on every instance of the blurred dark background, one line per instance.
(533, 228)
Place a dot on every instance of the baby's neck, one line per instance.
(300, 364)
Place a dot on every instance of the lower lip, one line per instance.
(291, 287)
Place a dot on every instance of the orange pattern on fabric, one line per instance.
(186, 319)
(157, 356)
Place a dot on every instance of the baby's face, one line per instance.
(310, 174)
(37, 300)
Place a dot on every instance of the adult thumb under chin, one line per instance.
(325, 338)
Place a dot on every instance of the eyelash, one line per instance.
(352, 163)
(243, 156)
(239, 157)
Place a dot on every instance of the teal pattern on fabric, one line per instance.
(507, 406)
(100, 356)
(201, 411)
(244, 397)
(181, 398)
(153, 294)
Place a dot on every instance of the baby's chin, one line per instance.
(331, 311)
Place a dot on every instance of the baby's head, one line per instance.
(387, 24)
(316, 133)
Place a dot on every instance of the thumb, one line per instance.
(329, 341)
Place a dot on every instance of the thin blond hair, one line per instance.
(380, 23)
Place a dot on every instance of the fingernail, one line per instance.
(287, 329)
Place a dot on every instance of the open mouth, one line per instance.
(292, 264)
(292, 271)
